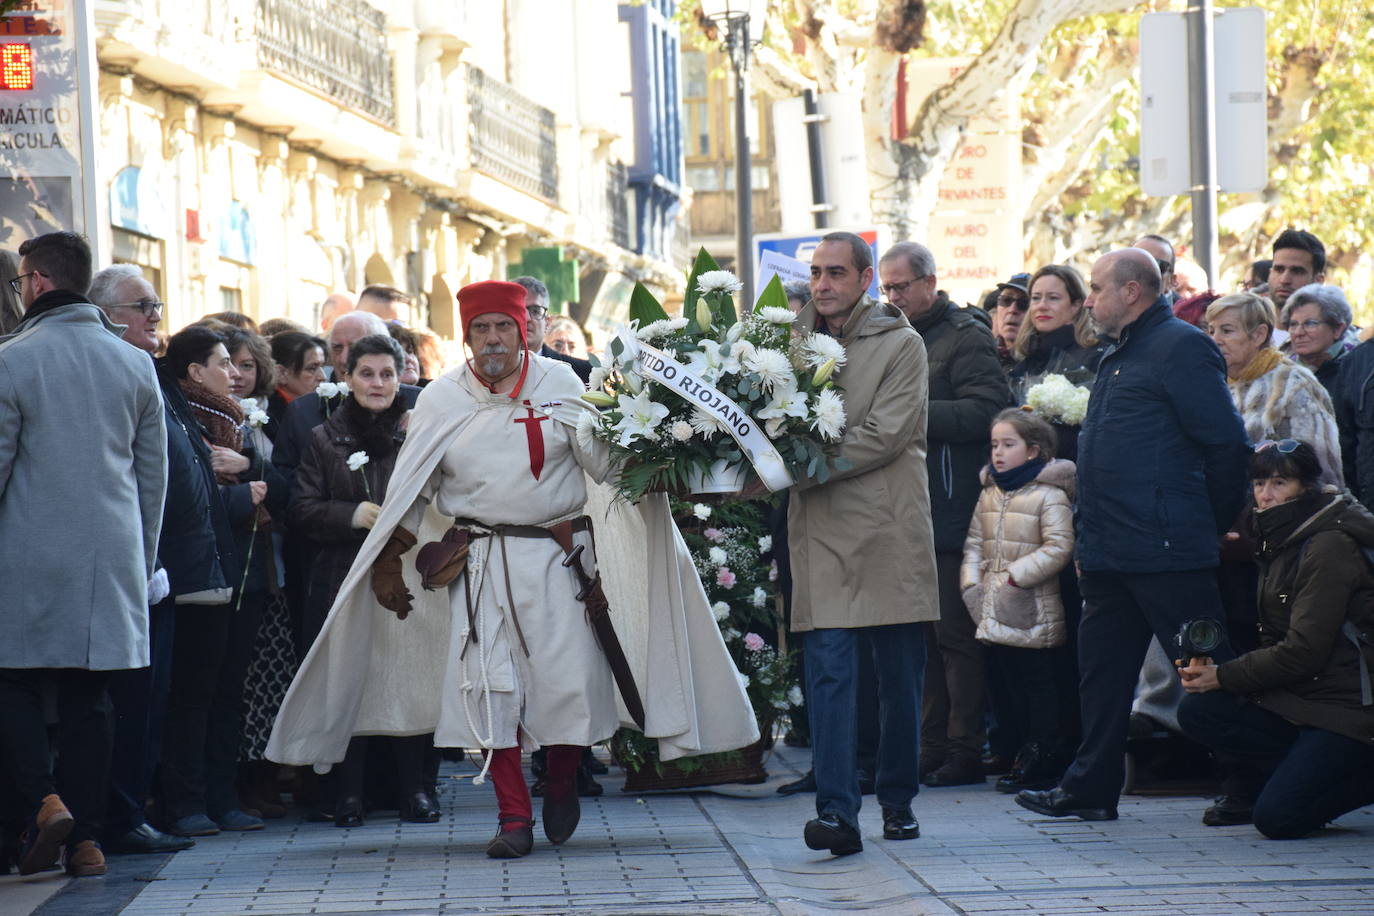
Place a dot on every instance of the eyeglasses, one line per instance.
(536, 311)
(891, 288)
(17, 284)
(1285, 446)
(1310, 324)
(146, 306)
(1013, 301)
(1165, 268)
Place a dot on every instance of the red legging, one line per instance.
(508, 778)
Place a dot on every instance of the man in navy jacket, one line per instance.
(1161, 474)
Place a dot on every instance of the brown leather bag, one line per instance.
(440, 562)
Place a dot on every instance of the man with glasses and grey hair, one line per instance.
(537, 324)
(967, 389)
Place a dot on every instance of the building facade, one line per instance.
(262, 154)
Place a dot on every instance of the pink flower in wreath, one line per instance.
(773, 571)
(725, 578)
(753, 642)
(712, 534)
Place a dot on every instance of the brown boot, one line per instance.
(513, 840)
(85, 860)
(43, 844)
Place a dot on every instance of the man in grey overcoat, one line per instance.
(82, 475)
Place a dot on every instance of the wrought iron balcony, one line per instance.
(618, 203)
(512, 137)
(336, 46)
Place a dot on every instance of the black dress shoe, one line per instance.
(593, 765)
(1058, 803)
(587, 786)
(417, 808)
(513, 843)
(1229, 811)
(145, 839)
(900, 824)
(957, 770)
(349, 812)
(830, 832)
(561, 817)
(806, 784)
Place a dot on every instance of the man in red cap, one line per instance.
(508, 651)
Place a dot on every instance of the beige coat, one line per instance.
(1026, 535)
(862, 550)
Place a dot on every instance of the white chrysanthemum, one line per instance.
(759, 598)
(661, 328)
(775, 315)
(720, 610)
(705, 425)
(588, 424)
(765, 543)
(817, 349)
(773, 368)
(718, 556)
(258, 418)
(639, 417)
(718, 281)
(828, 419)
(682, 431)
(701, 511)
(598, 377)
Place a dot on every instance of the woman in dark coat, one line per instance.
(335, 503)
(300, 362)
(1293, 721)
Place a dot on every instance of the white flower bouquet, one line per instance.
(1058, 400)
(709, 392)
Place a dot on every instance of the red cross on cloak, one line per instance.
(534, 437)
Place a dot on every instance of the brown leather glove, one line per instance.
(387, 583)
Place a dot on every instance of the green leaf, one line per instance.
(772, 296)
(703, 263)
(644, 307)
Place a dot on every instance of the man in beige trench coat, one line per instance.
(863, 555)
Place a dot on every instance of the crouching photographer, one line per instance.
(1292, 722)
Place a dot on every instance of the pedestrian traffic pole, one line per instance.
(1203, 134)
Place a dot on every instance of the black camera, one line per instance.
(1198, 638)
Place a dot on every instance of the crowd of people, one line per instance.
(975, 594)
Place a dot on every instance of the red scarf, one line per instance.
(221, 415)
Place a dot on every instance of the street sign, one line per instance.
(1240, 102)
(47, 122)
(801, 245)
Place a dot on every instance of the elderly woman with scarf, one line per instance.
(335, 504)
(214, 636)
(1292, 722)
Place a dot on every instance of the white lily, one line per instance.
(786, 402)
(639, 417)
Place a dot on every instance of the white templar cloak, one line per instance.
(472, 454)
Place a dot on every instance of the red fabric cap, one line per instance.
(493, 296)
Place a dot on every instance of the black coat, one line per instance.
(967, 389)
(196, 546)
(302, 416)
(325, 497)
(1058, 353)
(1162, 452)
(1353, 398)
(1314, 578)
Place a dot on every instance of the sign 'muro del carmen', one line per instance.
(42, 179)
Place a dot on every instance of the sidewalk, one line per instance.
(737, 850)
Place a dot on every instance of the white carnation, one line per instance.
(765, 543)
(701, 511)
(730, 634)
(794, 696)
(718, 281)
(720, 610)
(817, 349)
(772, 367)
(682, 431)
(1058, 400)
(775, 315)
(718, 556)
(759, 598)
(828, 417)
(357, 460)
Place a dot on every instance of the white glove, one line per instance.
(365, 516)
(159, 587)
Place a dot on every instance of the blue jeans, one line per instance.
(832, 666)
(1298, 777)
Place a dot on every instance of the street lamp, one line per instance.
(742, 23)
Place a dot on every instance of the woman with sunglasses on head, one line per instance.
(1292, 722)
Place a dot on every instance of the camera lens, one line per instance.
(1204, 635)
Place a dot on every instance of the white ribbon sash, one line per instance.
(659, 366)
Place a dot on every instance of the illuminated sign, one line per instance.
(16, 66)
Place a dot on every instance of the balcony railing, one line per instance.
(512, 137)
(618, 203)
(336, 46)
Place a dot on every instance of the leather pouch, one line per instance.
(440, 562)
